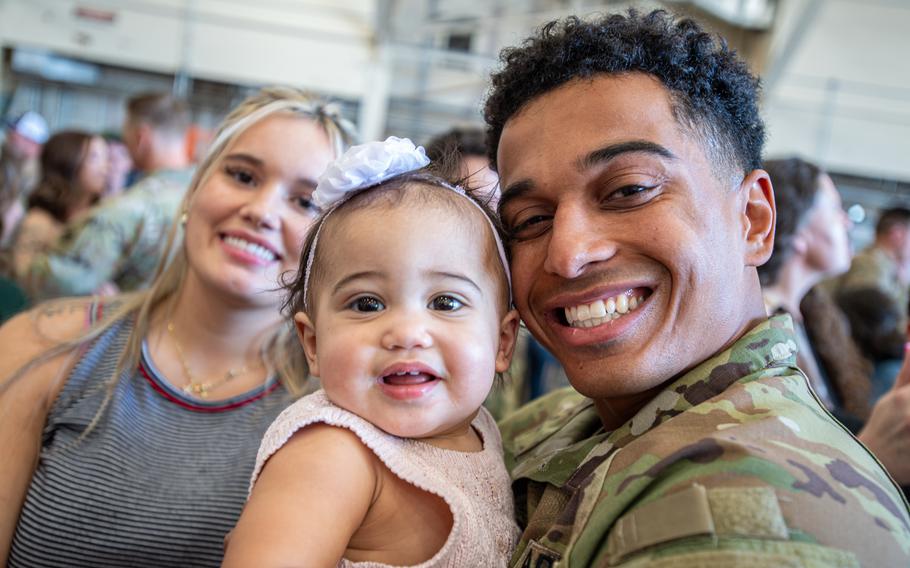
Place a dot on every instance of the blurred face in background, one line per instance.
(22, 148)
(92, 175)
(136, 138)
(481, 179)
(826, 231)
(119, 166)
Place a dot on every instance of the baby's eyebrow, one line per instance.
(462, 277)
(356, 276)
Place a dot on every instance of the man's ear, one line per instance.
(306, 332)
(759, 216)
(508, 335)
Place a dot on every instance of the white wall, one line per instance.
(317, 44)
(842, 95)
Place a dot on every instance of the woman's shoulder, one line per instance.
(37, 342)
(44, 326)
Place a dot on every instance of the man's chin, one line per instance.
(605, 387)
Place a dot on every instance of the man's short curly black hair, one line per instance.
(712, 92)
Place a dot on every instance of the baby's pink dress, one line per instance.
(475, 485)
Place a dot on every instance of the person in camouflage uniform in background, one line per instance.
(629, 153)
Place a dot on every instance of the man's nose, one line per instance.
(578, 239)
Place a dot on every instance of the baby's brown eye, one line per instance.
(445, 303)
(367, 304)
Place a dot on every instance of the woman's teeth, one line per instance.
(252, 248)
(602, 311)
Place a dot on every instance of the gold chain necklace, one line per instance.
(200, 388)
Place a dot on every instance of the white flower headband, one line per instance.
(368, 165)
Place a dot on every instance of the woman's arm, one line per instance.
(308, 502)
(26, 400)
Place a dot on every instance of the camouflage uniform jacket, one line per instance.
(733, 464)
(119, 241)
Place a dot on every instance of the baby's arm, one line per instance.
(310, 498)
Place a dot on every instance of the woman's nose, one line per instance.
(262, 208)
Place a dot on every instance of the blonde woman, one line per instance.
(130, 428)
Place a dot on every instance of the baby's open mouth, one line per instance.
(405, 378)
(604, 310)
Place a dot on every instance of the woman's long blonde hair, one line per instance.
(281, 351)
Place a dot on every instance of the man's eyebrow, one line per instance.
(356, 276)
(607, 153)
(513, 191)
(599, 156)
(456, 276)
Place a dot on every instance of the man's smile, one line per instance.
(604, 310)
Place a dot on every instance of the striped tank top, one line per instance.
(159, 481)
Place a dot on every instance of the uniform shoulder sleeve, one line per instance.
(538, 420)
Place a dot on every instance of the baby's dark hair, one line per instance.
(390, 193)
(711, 90)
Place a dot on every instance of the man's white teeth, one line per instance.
(252, 248)
(601, 311)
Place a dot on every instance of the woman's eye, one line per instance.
(303, 202)
(445, 303)
(240, 175)
(367, 304)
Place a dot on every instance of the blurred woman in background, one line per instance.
(74, 168)
(811, 244)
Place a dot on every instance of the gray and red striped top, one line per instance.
(160, 480)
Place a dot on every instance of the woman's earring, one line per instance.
(183, 219)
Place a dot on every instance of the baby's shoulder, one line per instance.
(312, 432)
(324, 442)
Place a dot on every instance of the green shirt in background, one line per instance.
(734, 463)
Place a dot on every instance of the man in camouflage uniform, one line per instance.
(628, 151)
(118, 244)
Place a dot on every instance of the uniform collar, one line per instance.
(566, 445)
